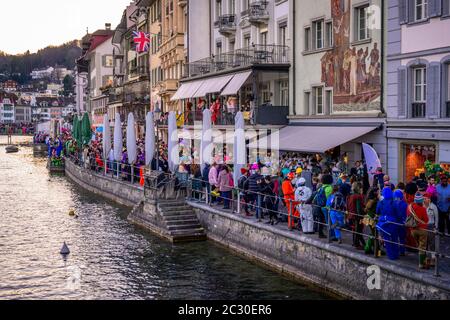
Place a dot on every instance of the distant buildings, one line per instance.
(9, 86)
(7, 103)
(42, 73)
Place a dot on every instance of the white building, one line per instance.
(7, 109)
(42, 73)
(81, 86)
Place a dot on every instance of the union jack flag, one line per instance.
(142, 41)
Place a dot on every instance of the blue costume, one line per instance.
(388, 216)
(401, 206)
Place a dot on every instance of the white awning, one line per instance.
(187, 90)
(236, 83)
(316, 139)
(212, 85)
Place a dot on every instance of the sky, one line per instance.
(35, 24)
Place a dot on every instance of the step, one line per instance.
(177, 213)
(187, 232)
(190, 226)
(180, 208)
(172, 204)
(181, 217)
(182, 222)
(189, 238)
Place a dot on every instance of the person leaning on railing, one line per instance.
(370, 218)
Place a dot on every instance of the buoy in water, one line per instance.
(65, 249)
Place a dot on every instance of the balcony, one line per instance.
(256, 55)
(257, 13)
(115, 95)
(264, 115)
(141, 72)
(227, 24)
(418, 110)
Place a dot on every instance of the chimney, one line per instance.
(108, 26)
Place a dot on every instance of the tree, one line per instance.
(68, 85)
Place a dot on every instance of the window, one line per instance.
(307, 101)
(218, 9)
(264, 38)
(307, 39)
(284, 93)
(246, 43)
(318, 94)
(420, 10)
(329, 101)
(232, 6)
(219, 48)
(329, 34)
(419, 93)
(318, 34)
(447, 104)
(282, 34)
(232, 45)
(362, 28)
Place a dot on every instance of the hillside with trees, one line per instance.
(18, 67)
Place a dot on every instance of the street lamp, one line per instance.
(157, 116)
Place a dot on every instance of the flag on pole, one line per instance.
(142, 41)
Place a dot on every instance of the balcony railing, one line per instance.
(140, 71)
(418, 110)
(257, 13)
(227, 24)
(254, 55)
(262, 115)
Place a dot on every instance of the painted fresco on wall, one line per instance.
(354, 73)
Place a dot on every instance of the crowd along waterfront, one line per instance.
(110, 258)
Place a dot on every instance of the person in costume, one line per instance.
(387, 223)
(302, 195)
(400, 207)
(289, 199)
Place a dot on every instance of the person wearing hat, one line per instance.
(433, 225)
(419, 233)
(344, 187)
(303, 195)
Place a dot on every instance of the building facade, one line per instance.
(7, 106)
(336, 79)
(418, 86)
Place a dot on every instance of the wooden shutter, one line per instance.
(433, 90)
(402, 98)
(402, 11)
(434, 8)
(446, 7)
(411, 10)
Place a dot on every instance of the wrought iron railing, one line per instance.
(418, 110)
(227, 23)
(248, 56)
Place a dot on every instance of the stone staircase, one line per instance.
(181, 221)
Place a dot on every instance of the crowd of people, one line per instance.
(314, 195)
(22, 128)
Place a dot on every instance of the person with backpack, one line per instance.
(243, 189)
(417, 220)
(320, 203)
(355, 209)
(387, 223)
(269, 199)
(303, 196)
(254, 189)
(336, 205)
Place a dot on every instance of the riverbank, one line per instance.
(333, 268)
(110, 259)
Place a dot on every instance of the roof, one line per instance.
(98, 39)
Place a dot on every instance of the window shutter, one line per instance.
(446, 7)
(402, 11)
(410, 5)
(433, 89)
(402, 92)
(445, 90)
(312, 103)
(313, 36)
(434, 8)
(104, 61)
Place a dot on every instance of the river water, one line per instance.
(110, 258)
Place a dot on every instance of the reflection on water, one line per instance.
(110, 258)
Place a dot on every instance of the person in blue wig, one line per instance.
(401, 207)
(387, 223)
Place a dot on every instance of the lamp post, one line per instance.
(157, 116)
